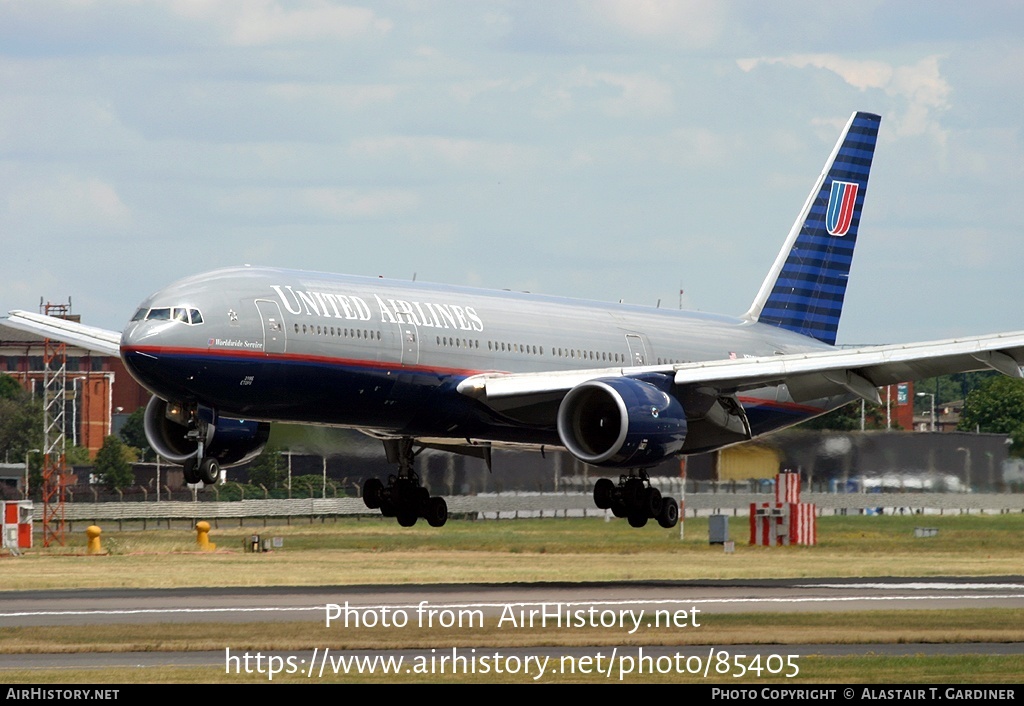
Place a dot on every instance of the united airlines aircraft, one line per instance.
(418, 365)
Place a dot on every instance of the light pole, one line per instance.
(932, 395)
(30, 451)
(289, 455)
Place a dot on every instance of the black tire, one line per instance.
(372, 489)
(619, 509)
(190, 471)
(422, 500)
(632, 492)
(637, 519)
(652, 502)
(437, 512)
(407, 518)
(669, 515)
(604, 493)
(209, 471)
(387, 508)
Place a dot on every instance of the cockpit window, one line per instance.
(177, 313)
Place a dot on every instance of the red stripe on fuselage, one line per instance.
(292, 357)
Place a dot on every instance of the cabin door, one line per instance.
(637, 349)
(274, 340)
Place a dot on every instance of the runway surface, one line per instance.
(107, 606)
(623, 601)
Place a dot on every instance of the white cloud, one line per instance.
(68, 201)
(463, 153)
(619, 95)
(318, 203)
(263, 22)
(351, 97)
(695, 22)
(922, 86)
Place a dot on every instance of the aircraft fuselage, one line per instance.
(307, 347)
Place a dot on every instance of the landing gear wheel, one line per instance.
(669, 515)
(372, 490)
(189, 470)
(406, 518)
(652, 501)
(637, 519)
(619, 509)
(604, 491)
(436, 512)
(209, 471)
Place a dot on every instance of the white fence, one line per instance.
(512, 505)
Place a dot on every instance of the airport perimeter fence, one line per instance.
(730, 499)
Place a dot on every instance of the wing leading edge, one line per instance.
(88, 337)
(808, 376)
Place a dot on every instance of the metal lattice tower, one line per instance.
(55, 366)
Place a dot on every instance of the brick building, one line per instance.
(100, 392)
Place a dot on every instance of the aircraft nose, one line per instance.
(130, 335)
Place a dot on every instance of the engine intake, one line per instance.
(621, 422)
(230, 441)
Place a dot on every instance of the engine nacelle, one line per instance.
(230, 441)
(621, 422)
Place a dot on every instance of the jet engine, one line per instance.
(621, 422)
(174, 432)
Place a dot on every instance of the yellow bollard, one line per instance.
(203, 537)
(93, 533)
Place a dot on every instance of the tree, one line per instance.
(77, 456)
(112, 464)
(268, 469)
(21, 421)
(997, 407)
(847, 418)
(948, 388)
(133, 433)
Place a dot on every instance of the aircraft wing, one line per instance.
(88, 337)
(807, 375)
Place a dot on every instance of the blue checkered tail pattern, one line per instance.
(805, 288)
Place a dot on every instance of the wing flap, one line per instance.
(88, 337)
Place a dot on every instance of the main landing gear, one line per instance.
(637, 500)
(403, 497)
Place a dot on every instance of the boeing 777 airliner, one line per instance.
(418, 365)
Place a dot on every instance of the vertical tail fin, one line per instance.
(805, 288)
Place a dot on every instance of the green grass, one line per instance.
(370, 551)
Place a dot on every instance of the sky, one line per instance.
(607, 149)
